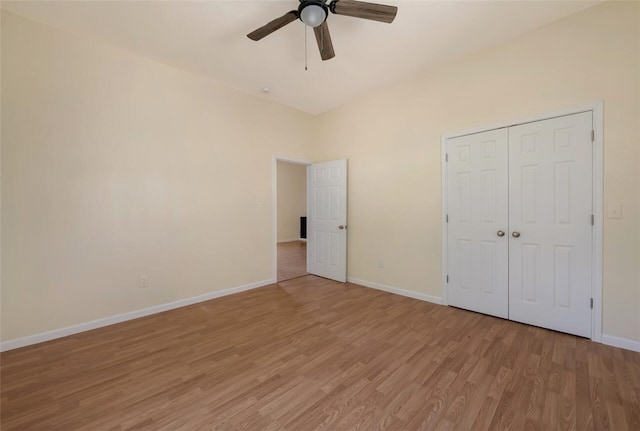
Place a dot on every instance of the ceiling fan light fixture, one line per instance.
(313, 13)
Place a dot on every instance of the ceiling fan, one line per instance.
(313, 13)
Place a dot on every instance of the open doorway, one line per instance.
(291, 210)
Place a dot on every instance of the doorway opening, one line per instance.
(291, 219)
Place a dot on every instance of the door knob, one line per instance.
(342, 227)
(515, 234)
(500, 233)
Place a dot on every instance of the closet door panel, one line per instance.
(550, 232)
(477, 206)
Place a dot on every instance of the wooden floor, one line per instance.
(292, 260)
(315, 354)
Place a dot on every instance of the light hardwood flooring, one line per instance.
(292, 260)
(311, 354)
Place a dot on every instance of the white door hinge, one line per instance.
(447, 218)
(446, 157)
(447, 278)
(593, 135)
(593, 219)
(592, 303)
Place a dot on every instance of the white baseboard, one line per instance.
(624, 343)
(610, 340)
(106, 321)
(291, 240)
(397, 291)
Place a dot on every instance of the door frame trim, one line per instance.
(274, 207)
(597, 109)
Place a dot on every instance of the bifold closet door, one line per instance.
(477, 240)
(550, 207)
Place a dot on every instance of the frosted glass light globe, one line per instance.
(313, 15)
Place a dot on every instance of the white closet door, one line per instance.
(477, 181)
(550, 207)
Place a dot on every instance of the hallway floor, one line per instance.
(292, 260)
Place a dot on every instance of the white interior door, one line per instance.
(477, 243)
(327, 219)
(550, 207)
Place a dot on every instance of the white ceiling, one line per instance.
(209, 37)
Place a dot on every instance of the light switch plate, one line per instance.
(614, 210)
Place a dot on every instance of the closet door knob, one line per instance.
(515, 234)
(500, 233)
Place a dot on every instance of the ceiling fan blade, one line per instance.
(360, 9)
(324, 41)
(274, 25)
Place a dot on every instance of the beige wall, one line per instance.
(392, 141)
(113, 167)
(292, 199)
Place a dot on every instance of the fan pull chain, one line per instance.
(305, 48)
